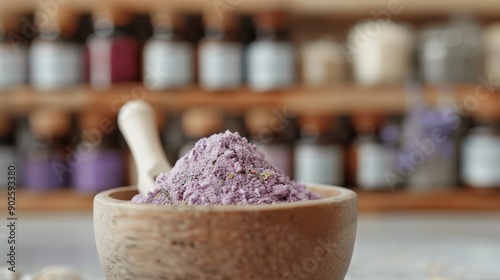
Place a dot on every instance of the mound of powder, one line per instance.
(224, 169)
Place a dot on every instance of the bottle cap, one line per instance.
(62, 21)
(271, 19)
(259, 119)
(106, 15)
(214, 18)
(46, 123)
(315, 125)
(202, 122)
(5, 124)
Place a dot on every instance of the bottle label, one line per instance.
(481, 161)
(322, 164)
(8, 157)
(100, 62)
(373, 161)
(56, 65)
(220, 65)
(271, 65)
(167, 65)
(12, 66)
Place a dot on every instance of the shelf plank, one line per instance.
(477, 100)
(361, 8)
(458, 199)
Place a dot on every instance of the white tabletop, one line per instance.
(389, 246)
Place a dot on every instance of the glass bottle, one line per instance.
(275, 135)
(271, 57)
(235, 123)
(381, 52)
(199, 123)
(376, 152)
(323, 63)
(13, 55)
(220, 53)
(451, 52)
(44, 162)
(55, 62)
(168, 57)
(8, 151)
(491, 38)
(98, 160)
(113, 53)
(173, 137)
(480, 162)
(319, 155)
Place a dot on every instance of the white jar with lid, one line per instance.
(381, 52)
(481, 158)
(491, 38)
(323, 62)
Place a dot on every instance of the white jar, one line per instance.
(220, 65)
(374, 160)
(167, 64)
(481, 159)
(55, 64)
(323, 164)
(381, 52)
(13, 65)
(271, 65)
(322, 63)
(491, 38)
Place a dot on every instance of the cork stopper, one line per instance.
(204, 122)
(367, 123)
(167, 20)
(272, 20)
(105, 16)
(6, 125)
(94, 120)
(258, 119)
(220, 19)
(62, 21)
(9, 23)
(315, 125)
(46, 123)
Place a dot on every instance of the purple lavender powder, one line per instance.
(224, 169)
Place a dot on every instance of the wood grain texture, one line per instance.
(314, 239)
(477, 100)
(332, 7)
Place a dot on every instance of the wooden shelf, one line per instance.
(333, 100)
(459, 199)
(365, 8)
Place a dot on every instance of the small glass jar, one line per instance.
(44, 164)
(13, 57)
(168, 57)
(55, 62)
(451, 52)
(98, 161)
(323, 63)
(274, 134)
(8, 151)
(271, 57)
(491, 37)
(113, 53)
(480, 162)
(319, 155)
(375, 152)
(381, 52)
(220, 54)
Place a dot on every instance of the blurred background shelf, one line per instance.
(396, 8)
(341, 99)
(461, 199)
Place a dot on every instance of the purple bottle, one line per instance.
(113, 55)
(98, 161)
(44, 165)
